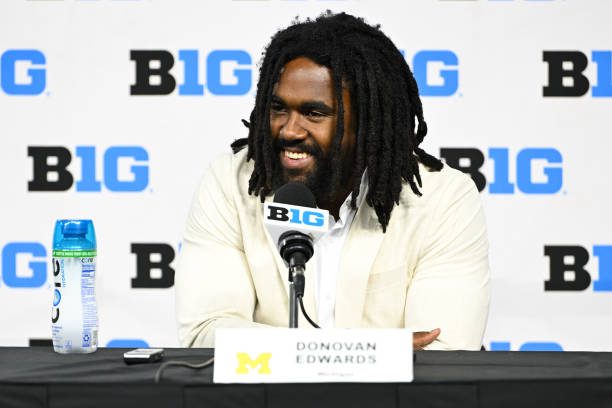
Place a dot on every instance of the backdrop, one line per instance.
(112, 110)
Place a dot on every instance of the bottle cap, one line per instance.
(82, 229)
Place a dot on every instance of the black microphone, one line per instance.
(294, 221)
(295, 247)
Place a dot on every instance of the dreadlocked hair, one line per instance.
(385, 100)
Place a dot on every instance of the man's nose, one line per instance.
(292, 129)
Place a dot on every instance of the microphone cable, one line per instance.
(163, 366)
(316, 326)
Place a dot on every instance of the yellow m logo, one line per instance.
(262, 360)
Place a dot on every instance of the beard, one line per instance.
(325, 179)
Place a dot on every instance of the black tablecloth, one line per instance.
(38, 377)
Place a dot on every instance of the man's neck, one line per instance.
(333, 206)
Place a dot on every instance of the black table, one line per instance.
(38, 377)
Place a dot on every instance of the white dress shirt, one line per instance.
(328, 249)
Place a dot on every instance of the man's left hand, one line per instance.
(422, 339)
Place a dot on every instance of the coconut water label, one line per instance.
(74, 314)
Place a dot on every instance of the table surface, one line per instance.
(39, 377)
(42, 365)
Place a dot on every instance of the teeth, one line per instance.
(296, 155)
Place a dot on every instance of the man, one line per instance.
(338, 109)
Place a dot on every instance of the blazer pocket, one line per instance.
(393, 277)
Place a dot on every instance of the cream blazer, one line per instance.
(430, 269)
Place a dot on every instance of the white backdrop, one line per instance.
(65, 77)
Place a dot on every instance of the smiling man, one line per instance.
(303, 116)
(338, 109)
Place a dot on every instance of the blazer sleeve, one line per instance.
(450, 284)
(213, 286)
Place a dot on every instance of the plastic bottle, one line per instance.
(74, 315)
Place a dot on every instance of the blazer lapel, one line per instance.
(278, 261)
(358, 254)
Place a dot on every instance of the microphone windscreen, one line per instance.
(295, 193)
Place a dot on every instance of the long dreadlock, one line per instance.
(384, 97)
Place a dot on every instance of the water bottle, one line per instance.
(74, 315)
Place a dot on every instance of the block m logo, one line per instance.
(262, 361)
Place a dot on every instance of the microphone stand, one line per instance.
(296, 249)
(296, 287)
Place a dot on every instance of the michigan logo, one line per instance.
(262, 361)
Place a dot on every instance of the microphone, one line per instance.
(294, 221)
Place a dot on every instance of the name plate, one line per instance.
(307, 355)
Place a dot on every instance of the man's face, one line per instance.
(303, 117)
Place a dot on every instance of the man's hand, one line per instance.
(422, 339)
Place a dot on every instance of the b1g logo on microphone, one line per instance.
(51, 173)
(295, 215)
(23, 72)
(568, 268)
(280, 218)
(24, 264)
(566, 74)
(538, 170)
(228, 72)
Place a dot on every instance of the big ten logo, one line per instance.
(127, 343)
(295, 215)
(529, 346)
(153, 265)
(436, 72)
(566, 74)
(228, 72)
(245, 361)
(23, 72)
(24, 264)
(536, 170)
(124, 169)
(568, 268)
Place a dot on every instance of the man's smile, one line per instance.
(292, 159)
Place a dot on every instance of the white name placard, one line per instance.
(307, 355)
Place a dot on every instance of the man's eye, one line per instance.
(315, 114)
(277, 107)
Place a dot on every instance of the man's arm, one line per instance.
(450, 285)
(213, 283)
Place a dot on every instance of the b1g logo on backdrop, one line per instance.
(537, 170)
(153, 265)
(51, 173)
(566, 74)
(443, 81)
(568, 268)
(529, 346)
(23, 72)
(230, 72)
(153, 76)
(24, 264)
